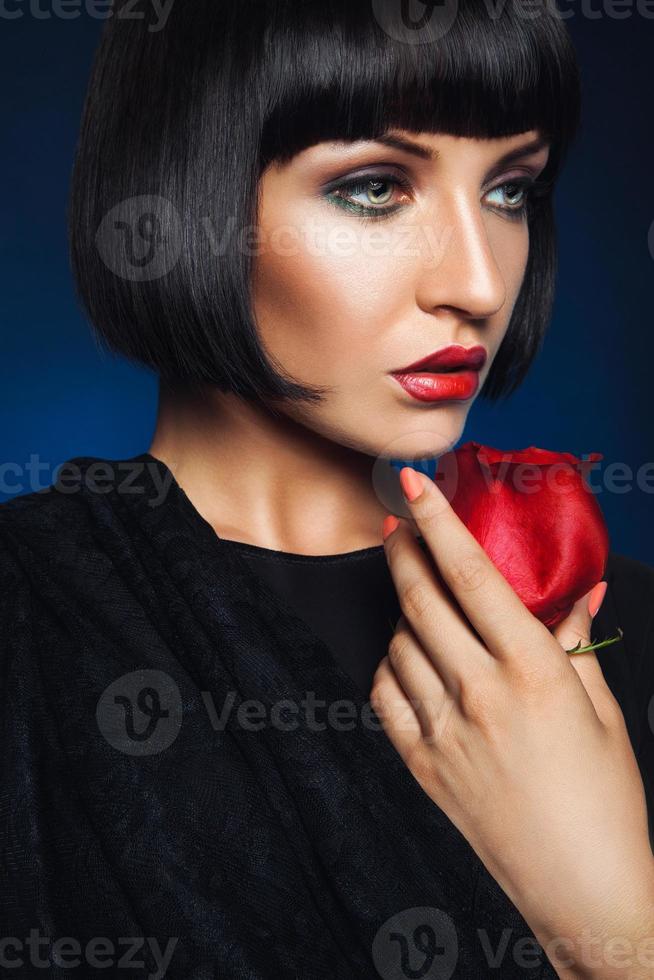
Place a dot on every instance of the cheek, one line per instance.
(323, 288)
(511, 250)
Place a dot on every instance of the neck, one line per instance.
(265, 479)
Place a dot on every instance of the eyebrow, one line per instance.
(425, 153)
(400, 143)
(538, 143)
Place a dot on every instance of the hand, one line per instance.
(523, 746)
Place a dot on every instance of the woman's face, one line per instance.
(371, 256)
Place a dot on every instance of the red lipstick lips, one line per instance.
(449, 373)
(453, 357)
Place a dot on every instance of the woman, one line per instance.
(278, 207)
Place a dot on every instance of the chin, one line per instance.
(425, 438)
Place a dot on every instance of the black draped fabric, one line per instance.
(191, 777)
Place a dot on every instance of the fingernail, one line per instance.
(389, 524)
(412, 485)
(596, 598)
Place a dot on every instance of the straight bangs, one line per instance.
(344, 71)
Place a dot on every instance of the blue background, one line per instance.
(588, 391)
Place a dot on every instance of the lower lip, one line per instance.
(427, 387)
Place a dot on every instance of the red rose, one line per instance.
(534, 515)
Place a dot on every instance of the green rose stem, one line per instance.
(596, 646)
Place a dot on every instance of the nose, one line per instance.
(458, 267)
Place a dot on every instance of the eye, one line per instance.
(378, 195)
(374, 195)
(515, 194)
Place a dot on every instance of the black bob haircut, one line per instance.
(190, 115)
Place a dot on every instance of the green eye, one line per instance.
(368, 195)
(376, 193)
(516, 195)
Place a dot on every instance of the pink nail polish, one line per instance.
(596, 598)
(412, 485)
(389, 524)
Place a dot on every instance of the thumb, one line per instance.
(576, 629)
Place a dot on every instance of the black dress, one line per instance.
(193, 783)
(348, 600)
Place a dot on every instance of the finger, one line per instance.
(394, 710)
(576, 629)
(507, 628)
(439, 625)
(417, 676)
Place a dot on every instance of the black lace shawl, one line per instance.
(138, 810)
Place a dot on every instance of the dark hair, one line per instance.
(192, 115)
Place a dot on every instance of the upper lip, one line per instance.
(454, 356)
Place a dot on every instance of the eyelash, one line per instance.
(359, 185)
